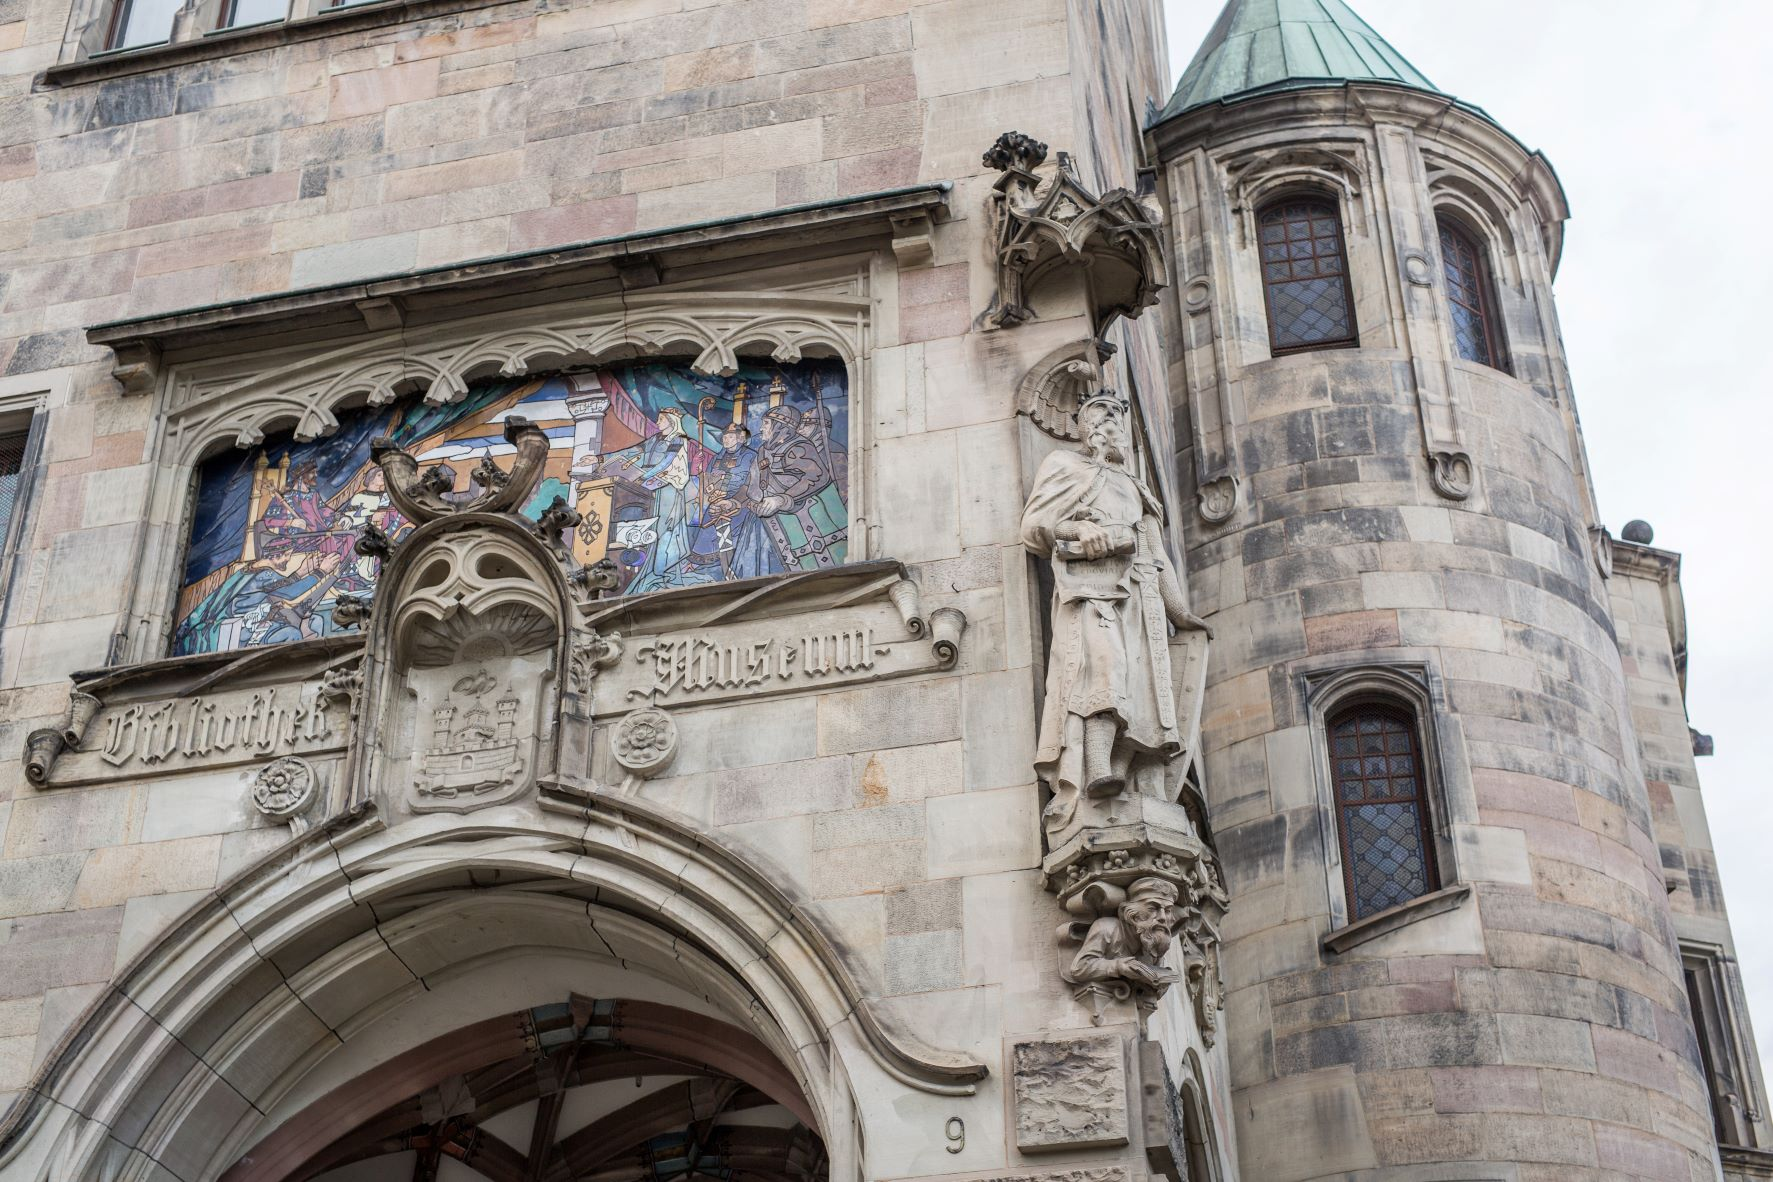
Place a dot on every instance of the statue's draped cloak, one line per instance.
(1110, 644)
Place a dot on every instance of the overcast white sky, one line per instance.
(1658, 120)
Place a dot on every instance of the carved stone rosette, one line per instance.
(284, 788)
(1039, 224)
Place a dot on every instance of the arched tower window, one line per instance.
(1305, 274)
(1381, 808)
(1469, 297)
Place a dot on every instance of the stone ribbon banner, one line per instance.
(202, 731)
(762, 658)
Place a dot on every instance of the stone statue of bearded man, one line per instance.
(1110, 704)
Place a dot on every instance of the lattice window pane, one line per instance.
(1468, 299)
(1308, 302)
(12, 463)
(1386, 854)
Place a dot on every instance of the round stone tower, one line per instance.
(1449, 952)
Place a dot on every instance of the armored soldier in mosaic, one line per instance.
(579, 604)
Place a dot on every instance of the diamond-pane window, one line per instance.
(1305, 275)
(1387, 857)
(1468, 296)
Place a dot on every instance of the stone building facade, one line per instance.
(819, 589)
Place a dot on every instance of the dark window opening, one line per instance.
(1305, 275)
(1381, 808)
(1469, 297)
(12, 475)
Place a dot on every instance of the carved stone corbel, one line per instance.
(913, 239)
(1040, 224)
(136, 366)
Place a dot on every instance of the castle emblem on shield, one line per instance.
(476, 749)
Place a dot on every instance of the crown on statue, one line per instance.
(1105, 398)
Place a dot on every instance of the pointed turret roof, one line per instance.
(1258, 46)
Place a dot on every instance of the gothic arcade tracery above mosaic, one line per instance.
(680, 478)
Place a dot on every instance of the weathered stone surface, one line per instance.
(1071, 1093)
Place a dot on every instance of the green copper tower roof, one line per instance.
(1257, 46)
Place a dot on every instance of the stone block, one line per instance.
(745, 736)
(1000, 728)
(1532, 1041)
(1352, 630)
(983, 832)
(897, 775)
(49, 951)
(742, 795)
(29, 886)
(69, 820)
(860, 869)
(854, 827)
(907, 714)
(1304, 1126)
(923, 961)
(924, 907)
(116, 874)
(1070, 1093)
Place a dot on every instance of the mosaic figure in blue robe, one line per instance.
(663, 468)
(731, 530)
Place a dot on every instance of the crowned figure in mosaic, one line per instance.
(1110, 716)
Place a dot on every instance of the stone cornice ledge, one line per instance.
(1393, 918)
(620, 262)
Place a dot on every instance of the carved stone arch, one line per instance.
(1482, 207)
(268, 990)
(1259, 177)
(1199, 1138)
(306, 391)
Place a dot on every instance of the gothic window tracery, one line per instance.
(1381, 809)
(1305, 274)
(1469, 298)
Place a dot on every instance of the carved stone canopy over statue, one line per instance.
(1110, 718)
(1039, 225)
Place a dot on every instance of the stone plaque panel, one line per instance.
(1071, 1093)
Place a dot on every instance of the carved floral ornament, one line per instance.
(1039, 224)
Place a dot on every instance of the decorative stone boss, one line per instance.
(1124, 857)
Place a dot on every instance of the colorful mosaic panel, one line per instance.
(680, 478)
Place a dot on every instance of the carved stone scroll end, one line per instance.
(1218, 500)
(1452, 473)
(946, 626)
(906, 599)
(42, 748)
